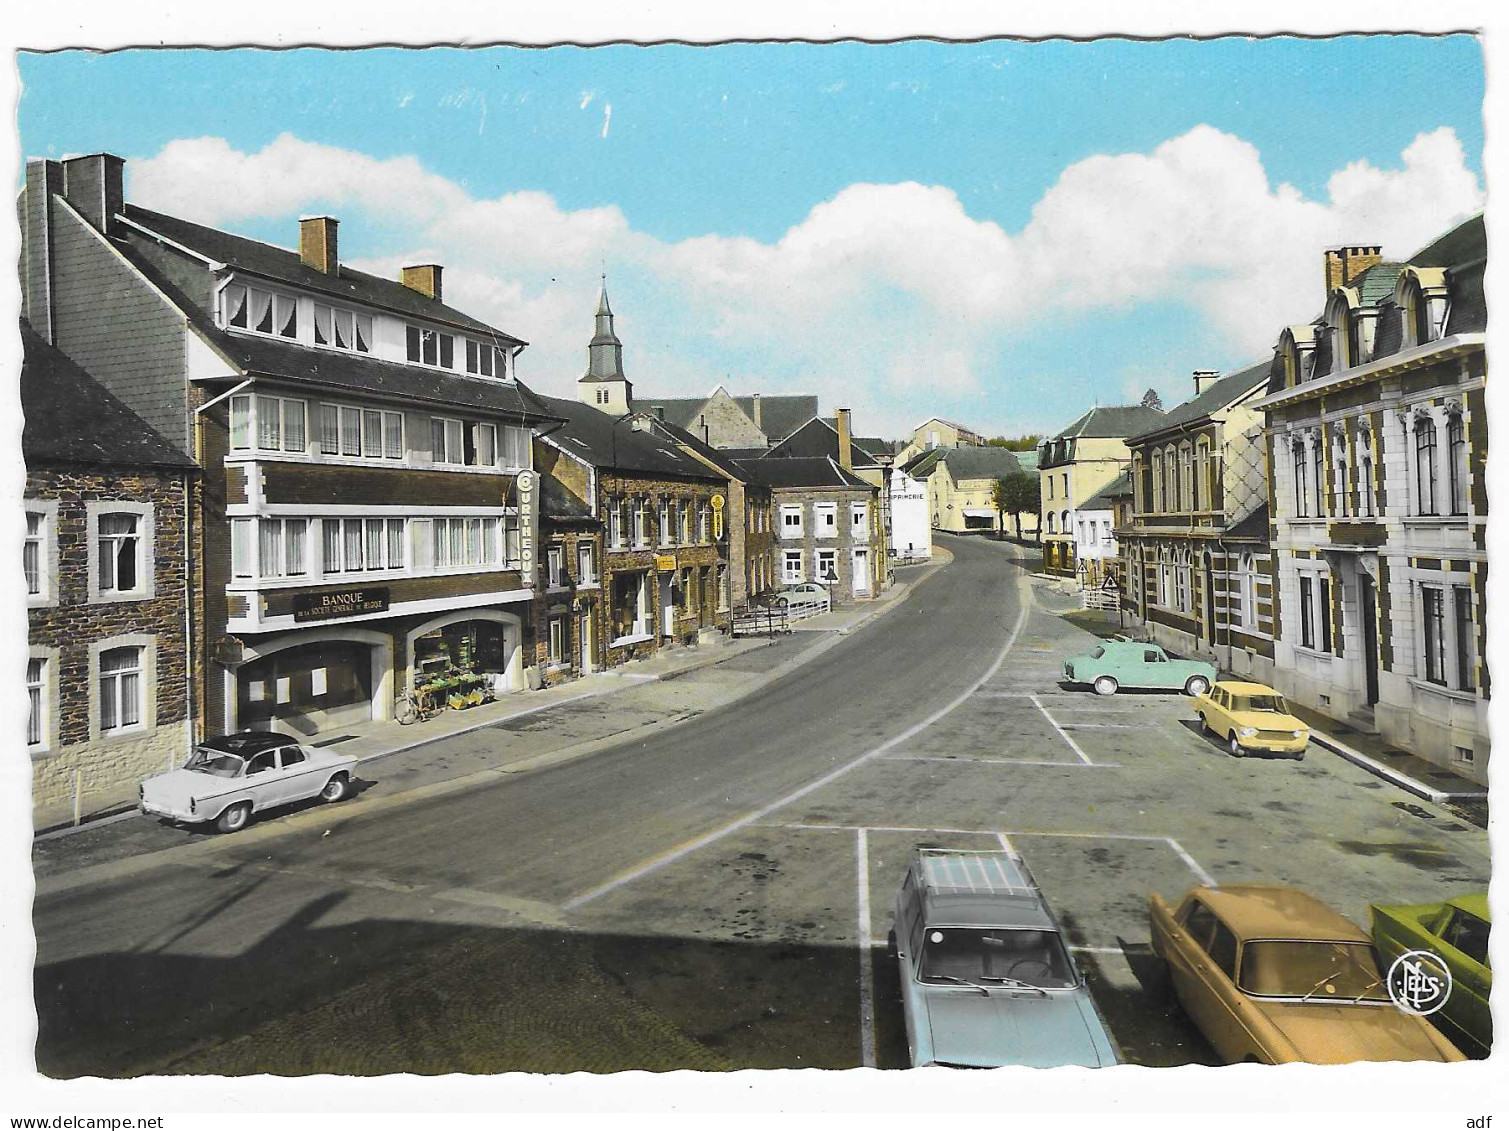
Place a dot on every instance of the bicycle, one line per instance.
(419, 706)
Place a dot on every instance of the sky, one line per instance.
(1001, 233)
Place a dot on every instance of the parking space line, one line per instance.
(1098, 950)
(1062, 733)
(1194, 867)
(1005, 841)
(866, 961)
(655, 863)
(1003, 761)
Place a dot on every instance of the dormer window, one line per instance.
(485, 359)
(261, 311)
(342, 329)
(431, 347)
(1416, 315)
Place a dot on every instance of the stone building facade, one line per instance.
(1199, 574)
(1377, 439)
(108, 562)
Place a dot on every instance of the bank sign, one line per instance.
(342, 603)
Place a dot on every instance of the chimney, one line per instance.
(845, 451)
(659, 411)
(44, 179)
(758, 423)
(93, 186)
(1343, 264)
(424, 278)
(317, 243)
(1204, 378)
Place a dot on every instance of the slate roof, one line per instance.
(719, 457)
(779, 415)
(1215, 397)
(819, 437)
(1255, 525)
(980, 463)
(1376, 283)
(282, 264)
(1113, 421)
(799, 471)
(1465, 243)
(1105, 498)
(69, 417)
(921, 465)
(593, 436)
(557, 504)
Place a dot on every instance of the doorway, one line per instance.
(1367, 603)
(584, 641)
(667, 604)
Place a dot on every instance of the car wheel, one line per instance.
(1105, 685)
(1299, 755)
(235, 818)
(1235, 746)
(336, 788)
(1196, 685)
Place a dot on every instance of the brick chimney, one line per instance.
(424, 278)
(1343, 264)
(1205, 378)
(758, 423)
(317, 243)
(845, 449)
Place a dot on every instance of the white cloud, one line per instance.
(883, 296)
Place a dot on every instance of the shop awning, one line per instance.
(979, 512)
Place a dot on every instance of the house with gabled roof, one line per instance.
(1075, 464)
(936, 432)
(368, 510)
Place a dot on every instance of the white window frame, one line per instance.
(40, 700)
(830, 558)
(790, 529)
(667, 534)
(825, 520)
(859, 521)
(558, 637)
(279, 302)
(639, 517)
(360, 323)
(146, 644)
(793, 567)
(555, 569)
(585, 565)
(146, 584)
(452, 429)
(477, 352)
(46, 542)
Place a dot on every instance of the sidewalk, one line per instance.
(521, 736)
(1416, 775)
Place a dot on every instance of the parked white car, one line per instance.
(227, 779)
(806, 598)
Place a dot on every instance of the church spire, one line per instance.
(610, 390)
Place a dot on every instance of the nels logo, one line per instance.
(1419, 982)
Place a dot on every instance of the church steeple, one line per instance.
(604, 385)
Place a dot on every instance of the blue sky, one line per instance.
(891, 226)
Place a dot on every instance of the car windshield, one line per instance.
(983, 955)
(1326, 971)
(217, 762)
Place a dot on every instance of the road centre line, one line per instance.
(866, 963)
(1062, 733)
(1003, 761)
(654, 864)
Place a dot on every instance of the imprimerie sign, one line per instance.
(341, 603)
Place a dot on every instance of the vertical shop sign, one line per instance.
(525, 484)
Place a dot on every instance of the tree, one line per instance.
(1015, 495)
(1151, 399)
(1024, 443)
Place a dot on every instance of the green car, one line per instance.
(1128, 663)
(1456, 931)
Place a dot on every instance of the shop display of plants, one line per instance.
(460, 687)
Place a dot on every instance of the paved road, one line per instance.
(713, 895)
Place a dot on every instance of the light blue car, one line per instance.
(985, 977)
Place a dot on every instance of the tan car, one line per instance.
(1271, 974)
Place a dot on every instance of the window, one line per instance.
(1050, 486)
(859, 521)
(1155, 492)
(1365, 488)
(354, 545)
(1200, 922)
(446, 441)
(1223, 950)
(1461, 603)
(1456, 448)
(1050, 522)
(1425, 465)
(641, 530)
(555, 573)
(1432, 605)
(615, 524)
(431, 347)
(1416, 315)
(557, 654)
(585, 574)
(34, 553)
(827, 566)
(1181, 591)
(704, 523)
(464, 542)
(1323, 587)
(1306, 612)
(119, 553)
(276, 424)
(685, 525)
(791, 521)
(515, 450)
(1301, 483)
(791, 566)
(486, 359)
(342, 329)
(667, 530)
(1319, 469)
(261, 311)
(825, 520)
(36, 697)
(280, 546)
(120, 689)
(351, 431)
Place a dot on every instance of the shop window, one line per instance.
(478, 646)
(629, 605)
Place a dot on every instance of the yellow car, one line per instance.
(1271, 974)
(1253, 719)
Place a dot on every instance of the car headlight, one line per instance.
(1247, 732)
(1299, 734)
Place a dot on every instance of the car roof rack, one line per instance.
(955, 871)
